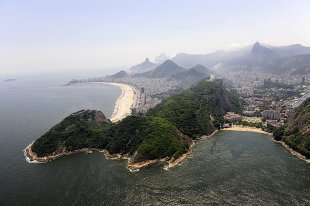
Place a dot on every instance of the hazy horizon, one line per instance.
(47, 37)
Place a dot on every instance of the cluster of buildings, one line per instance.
(270, 97)
(144, 102)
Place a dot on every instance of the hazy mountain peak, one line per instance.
(201, 69)
(260, 51)
(256, 45)
(145, 66)
(168, 62)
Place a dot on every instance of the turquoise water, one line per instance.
(230, 168)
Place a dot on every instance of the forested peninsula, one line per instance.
(166, 134)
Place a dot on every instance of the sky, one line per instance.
(39, 36)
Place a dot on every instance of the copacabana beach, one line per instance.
(124, 103)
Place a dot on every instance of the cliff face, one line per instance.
(199, 110)
(297, 129)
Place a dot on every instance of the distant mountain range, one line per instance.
(292, 59)
(190, 68)
(171, 71)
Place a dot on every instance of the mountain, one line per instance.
(147, 138)
(290, 50)
(191, 76)
(139, 137)
(165, 70)
(297, 129)
(299, 64)
(261, 52)
(143, 67)
(190, 60)
(198, 110)
(201, 69)
(120, 74)
(258, 57)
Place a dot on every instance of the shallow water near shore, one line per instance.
(229, 168)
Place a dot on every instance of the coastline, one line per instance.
(31, 157)
(246, 129)
(133, 167)
(258, 130)
(124, 103)
(293, 152)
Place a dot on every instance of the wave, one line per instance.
(26, 156)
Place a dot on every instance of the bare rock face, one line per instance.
(99, 118)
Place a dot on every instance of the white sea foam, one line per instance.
(26, 156)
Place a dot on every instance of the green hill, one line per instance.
(83, 129)
(199, 110)
(144, 138)
(297, 129)
(147, 138)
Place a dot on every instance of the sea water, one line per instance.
(230, 168)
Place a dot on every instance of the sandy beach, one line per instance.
(124, 103)
(246, 129)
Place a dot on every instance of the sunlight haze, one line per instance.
(43, 36)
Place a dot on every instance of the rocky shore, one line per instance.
(293, 152)
(32, 157)
(136, 166)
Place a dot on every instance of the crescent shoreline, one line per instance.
(125, 102)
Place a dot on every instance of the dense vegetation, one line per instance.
(199, 110)
(83, 129)
(149, 137)
(162, 133)
(296, 132)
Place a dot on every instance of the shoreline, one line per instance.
(31, 157)
(258, 130)
(293, 152)
(246, 129)
(170, 163)
(134, 167)
(124, 103)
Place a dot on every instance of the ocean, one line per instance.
(230, 168)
